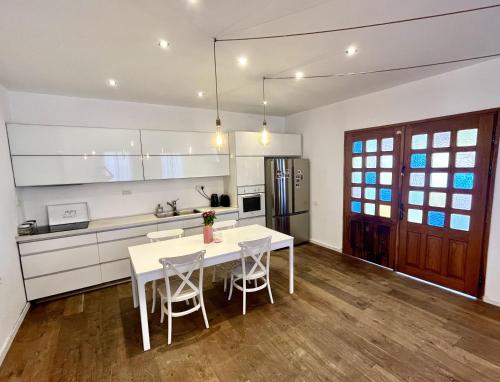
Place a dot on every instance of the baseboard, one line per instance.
(6, 346)
(491, 301)
(326, 245)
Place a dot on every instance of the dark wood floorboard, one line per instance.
(347, 321)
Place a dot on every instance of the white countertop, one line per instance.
(122, 222)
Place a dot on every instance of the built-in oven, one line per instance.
(251, 201)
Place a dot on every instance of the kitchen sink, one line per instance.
(187, 212)
(177, 213)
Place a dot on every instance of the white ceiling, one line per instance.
(72, 47)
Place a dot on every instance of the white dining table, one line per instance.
(145, 265)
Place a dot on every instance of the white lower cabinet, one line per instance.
(56, 283)
(260, 220)
(115, 270)
(193, 231)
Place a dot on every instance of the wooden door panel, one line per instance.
(457, 255)
(433, 254)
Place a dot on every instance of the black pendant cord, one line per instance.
(216, 85)
(390, 69)
(362, 26)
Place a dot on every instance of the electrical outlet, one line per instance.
(126, 192)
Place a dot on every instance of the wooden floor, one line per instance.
(348, 321)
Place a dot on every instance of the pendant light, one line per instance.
(264, 135)
(218, 128)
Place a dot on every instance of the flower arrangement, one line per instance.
(208, 218)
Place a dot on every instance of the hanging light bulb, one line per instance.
(264, 134)
(218, 128)
(218, 137)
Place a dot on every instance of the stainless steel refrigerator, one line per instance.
(287, 197)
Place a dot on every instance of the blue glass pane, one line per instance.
(416, 197)
(385, 194)
(460, 222)
(463, 180)
(357, 147)
(370, 177)
(435, 218)
(370, 193)
(418, 160)
(356, 207)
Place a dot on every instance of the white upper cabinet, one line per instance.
(160, 142)
(185, 166)
(58, 170)
(249, 171)
(249, 144)
(64, 140)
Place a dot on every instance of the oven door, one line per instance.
(251, 205)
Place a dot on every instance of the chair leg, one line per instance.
(202, 303)
(255, 283)
(269, 289)
(230, 289)
(153, 306)
(225, 281)
(244, 297)
(194, 301)
(169, 313)
(162, 312)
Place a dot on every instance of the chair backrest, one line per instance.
(255, 250)
(227, 224)
(165, 235)
(183, 268)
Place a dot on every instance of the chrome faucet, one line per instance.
(173, 204)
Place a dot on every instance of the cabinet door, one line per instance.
(116, 250)
(193, 231)
(183, 166)
(58, 170)
(115, 270)
(160, 142)
(249, 171)
(249, 144)
(65, 140)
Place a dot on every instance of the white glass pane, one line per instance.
(387, 144)
(460, 222)
(370, 193)
(371, 162)
(440, 160)
(439, 179)
(419, 142)
(465, 159)
(371, 145)
(370, 208)
(441, 139)
(386, 178)
(416, 197)
(356, 177)
(357, 162)
(386, 161)
(417, 179)
(467, 137)
(384, 211)
(437, 199)
(356, 192)
(461, 201)
(415, 216)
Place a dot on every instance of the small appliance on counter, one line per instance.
(214, 200)
(225, 201)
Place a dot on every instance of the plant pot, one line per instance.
(208, 234)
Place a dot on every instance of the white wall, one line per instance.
(12, 298)
(476, 87)
(108, 200)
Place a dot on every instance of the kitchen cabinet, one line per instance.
(66, 140)
(249, 171)
(185, 166)
(260, 220)
(60, 170)
(115, 270)
(245, 143)
(162, 142)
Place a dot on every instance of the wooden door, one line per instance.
(371, 184)
(444, 198)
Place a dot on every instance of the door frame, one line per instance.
(490, 186)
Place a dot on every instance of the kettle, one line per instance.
(214, 200)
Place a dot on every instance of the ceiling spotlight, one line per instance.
(242, 61)
(163, 44)
(351, 51)
(299, 75)
(112, 83)
(264, 102)
(200, 94)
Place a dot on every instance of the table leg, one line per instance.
(141, 289)
(290, 266)
(134, 285)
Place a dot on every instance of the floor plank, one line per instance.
(347, 321)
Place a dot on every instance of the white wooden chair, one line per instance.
(159, 236)
(226, 267)
(255, 257)
(182, 287)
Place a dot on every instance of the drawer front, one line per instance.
(62, 282)
(125, 233)
(190, 223)
(116, 250)
(231, 216)
(115, 270)
(57, 261)
(56, 244)
(170, 225)
(193, 231)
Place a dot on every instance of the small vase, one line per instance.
(208, 234)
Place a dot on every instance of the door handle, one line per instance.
(401, 211)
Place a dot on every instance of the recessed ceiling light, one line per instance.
(351, 51)
(201, 94)
(242, 61)
(164, 44)
(299, 75)
(112, 83)
(264, 102)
